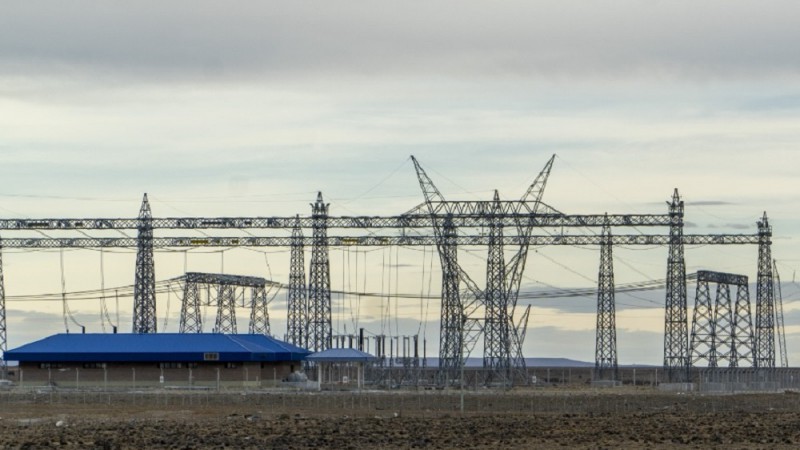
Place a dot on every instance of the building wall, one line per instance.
(141, 375)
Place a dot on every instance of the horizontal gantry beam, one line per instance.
(287, 223)
(374, 241)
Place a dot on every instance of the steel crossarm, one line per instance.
(372, 241)
(466, 219)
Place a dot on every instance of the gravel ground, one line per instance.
(654, 421)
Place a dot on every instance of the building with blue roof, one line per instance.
(165, 359)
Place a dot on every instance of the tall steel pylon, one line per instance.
(765, 299)
(451, 327)
(191, 317)
(144, 289)
(676, 342)
(297, 304)
(320, 328)
(497, 341)
(259, 315)
(605, 356)
(3, 330)
(465, 306)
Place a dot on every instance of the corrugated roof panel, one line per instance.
(96, 347)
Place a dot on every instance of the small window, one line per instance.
(210, 356)
(94, 365)
(50, 365)
(170, 365)
(231, 365)
(191, 365)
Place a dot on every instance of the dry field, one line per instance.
(610, 418)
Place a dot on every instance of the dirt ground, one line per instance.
(641, 419)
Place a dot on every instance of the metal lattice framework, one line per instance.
(297, 302)
(703, 339)
(320, 328)
(722, 331)
(676, 343)
(765, 299)
(497, 342)
(605, 356)
(144, 294)
(229, 291)
(3, 330)
(447, 225)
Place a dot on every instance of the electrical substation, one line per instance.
(728, 339)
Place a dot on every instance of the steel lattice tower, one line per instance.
(676, 342)
(297, 303)
(765, 299)
(497, 343)
(320, 329)
(742, 329)
(605, 356)
(3, 330)
(191, 317)
(144, 290)
(259, 316)
(452, 315)
(703, 342)
(226, 309)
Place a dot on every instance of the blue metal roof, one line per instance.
(341, 355)
(178, 347)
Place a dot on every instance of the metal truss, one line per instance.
(765, 299)
(676, 345)
(722, 332)
(144, 290)
(703, 338)
(496, 340)
(379, 241)
(3, 330)
(226, 310)
(605, 356)
(259, 315)
(191, 314)
(227, 295)
(320, 327)
(297, 302)
(518, 217)
(742, 329)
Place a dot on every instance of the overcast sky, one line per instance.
(250, 108)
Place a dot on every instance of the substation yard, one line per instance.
(520, 418)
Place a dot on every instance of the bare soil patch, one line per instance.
(642, 419)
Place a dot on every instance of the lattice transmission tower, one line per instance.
(320, 329)
(765, 299)
(297, 301)
(605, 357)
(144, 289)
(676, 340)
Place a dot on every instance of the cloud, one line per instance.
(204, 39)
(708, 203)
